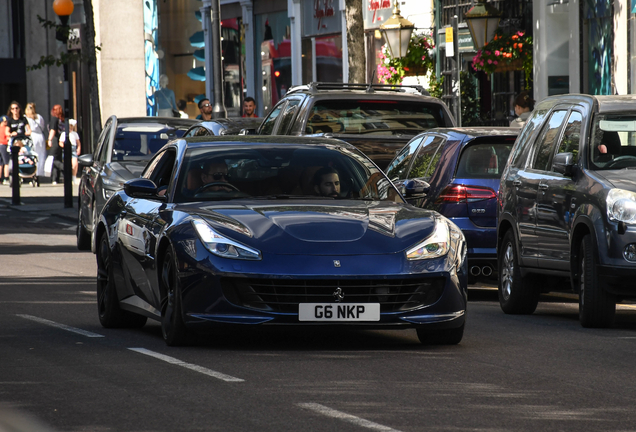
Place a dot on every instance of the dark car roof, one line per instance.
(363, 91)
(263, 139)
(168, 122)
(603, 103)
(476, 132)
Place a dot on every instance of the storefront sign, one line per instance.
(321, 17)
(464, 40)
(376, 12)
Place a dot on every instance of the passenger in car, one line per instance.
(327, 182)
(609, 148)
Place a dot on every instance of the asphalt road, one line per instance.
(510, 373)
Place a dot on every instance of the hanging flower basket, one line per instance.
(506, 53)
(516, 64)
(416, 70)
(416, 62)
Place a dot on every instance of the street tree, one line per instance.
(355, 41)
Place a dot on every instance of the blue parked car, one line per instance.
(456, 172)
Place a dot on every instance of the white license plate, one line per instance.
(339, 312)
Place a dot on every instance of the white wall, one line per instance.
(119, 28)
(621, 52)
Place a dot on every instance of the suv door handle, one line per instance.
(516, 182)
(543, 186)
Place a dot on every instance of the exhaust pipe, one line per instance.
(475, 271)
(486, 270)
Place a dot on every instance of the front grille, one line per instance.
(284, 295)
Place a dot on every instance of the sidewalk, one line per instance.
(48, 199)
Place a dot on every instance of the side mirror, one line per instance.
(564, 164)
(412, 188)
(247, 132)
(85, 160)
(142, 188)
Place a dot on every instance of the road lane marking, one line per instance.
(196, 368)
(61, 326)
(321, 409)
(40, 219)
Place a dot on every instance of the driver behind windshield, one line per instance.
(327, 182)
(215, 174)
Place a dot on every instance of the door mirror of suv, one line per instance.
(564, 164)
(247, 132)
(412, 188)
(142, 188)
(85, 160)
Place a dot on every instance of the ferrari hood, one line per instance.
(309, 228)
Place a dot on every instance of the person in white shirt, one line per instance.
(76, 146)
(38, 135)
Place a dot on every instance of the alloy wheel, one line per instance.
(507, 271)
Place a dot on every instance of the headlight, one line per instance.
(436, 245)
(223, 246)
(112, 183)
(621, 205)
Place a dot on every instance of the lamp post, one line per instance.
(483, 20)
(63, 9)
(397, 32)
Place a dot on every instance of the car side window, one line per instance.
(103, 151)
(160, 169)
(544, 149)
(400, 165)
(268, 124)
(427, 158)
(572, 136)
(524, 140)
(288, 115)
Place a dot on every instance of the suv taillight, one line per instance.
(461, 194)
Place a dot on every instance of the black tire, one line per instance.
(441, 337)
(83, 235)
(173, 327)
(517, 294)
(597, 307)
(109, 312)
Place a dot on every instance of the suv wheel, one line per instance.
(516, 293)
(596, 306)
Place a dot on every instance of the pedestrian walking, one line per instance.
(56, 127)
(38, 135)
(4, 150)
(249, 107)
(76, 145)
(206, 110)
(17, 124)
(524, 104)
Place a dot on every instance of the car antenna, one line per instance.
(370, 86)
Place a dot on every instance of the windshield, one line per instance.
(613, 142)
(281, 172)
(141, 143)
(381, 117)
(483, 160)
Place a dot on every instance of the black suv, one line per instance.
(378, 119)
(567, 207)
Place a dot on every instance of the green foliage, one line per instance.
(470, 102)
(505, 49)
(64, 57)
(418, 58)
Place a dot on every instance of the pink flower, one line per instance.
(489, 61)
(496, 62)
(497, 53)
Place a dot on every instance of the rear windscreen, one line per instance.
(483, 160)
(381, 117)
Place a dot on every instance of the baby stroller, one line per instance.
(27, 162)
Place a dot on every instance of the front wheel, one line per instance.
(597, 307)
(516, 293)
(173, 327)
(83, 235)
(110, 314)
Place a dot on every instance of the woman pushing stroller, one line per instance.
(17, 128)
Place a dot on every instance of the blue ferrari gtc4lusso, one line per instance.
(273, 230)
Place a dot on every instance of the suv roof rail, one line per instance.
(315, 87)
